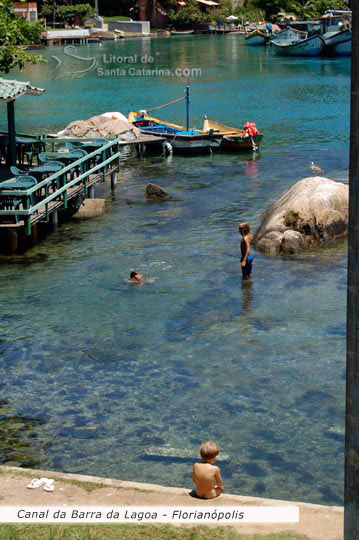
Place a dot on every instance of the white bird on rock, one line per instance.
(315, 169)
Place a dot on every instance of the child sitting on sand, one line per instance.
(206, 475)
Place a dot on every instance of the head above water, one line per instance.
(244, 228)
(136, 275)
(209, 450)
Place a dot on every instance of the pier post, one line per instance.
(113, 180)
(13, 241)
(34, 235)
(91, 192)
(55, 220)
(351, 474)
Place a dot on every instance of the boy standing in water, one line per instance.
(247, 257)
(206, 475)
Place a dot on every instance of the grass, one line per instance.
(115, 18)
(131, 532)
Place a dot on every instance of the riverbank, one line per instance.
(317, 522)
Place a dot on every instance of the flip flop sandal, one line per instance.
(36, 483)
(49, 485)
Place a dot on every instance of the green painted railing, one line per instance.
(27, 196)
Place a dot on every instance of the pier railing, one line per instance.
(34, 204)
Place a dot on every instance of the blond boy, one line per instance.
(206, 476)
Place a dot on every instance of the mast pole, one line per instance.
(187, 107)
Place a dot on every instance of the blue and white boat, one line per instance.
(289, 34)
(335, 27)
(310, 46)
(182, 139)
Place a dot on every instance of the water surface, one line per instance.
(104, 378)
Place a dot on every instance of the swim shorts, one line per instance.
(247, 269)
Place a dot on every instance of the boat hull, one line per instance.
(182, 141)
(234, 139)
(311, 46)
(338, 44)
(256, 38)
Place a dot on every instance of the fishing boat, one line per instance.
(182, 139)
(181, 32)
(257, 37)
(310, 46)
(335, 27)
(247, 138)
(289, 34)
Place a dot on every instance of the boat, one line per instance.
(181, 139)
(181, 32)
(257, 37)
(289, 34)
(335, 27)
(247, 138)
(310, 46)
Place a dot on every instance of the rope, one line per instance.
(166, 104)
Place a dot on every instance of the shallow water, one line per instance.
(105, 378)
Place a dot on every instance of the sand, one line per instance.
(317, 522)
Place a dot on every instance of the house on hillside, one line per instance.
(27, 10)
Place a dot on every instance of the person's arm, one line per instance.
(219, 479)
(244, 262)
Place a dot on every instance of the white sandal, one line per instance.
(49, 485)
(37, 482)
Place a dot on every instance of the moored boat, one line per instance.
(310, 46)
(257, 37)
(181, 139)
(336, 31)
(247, 138)
(181, 32)
(289, 34)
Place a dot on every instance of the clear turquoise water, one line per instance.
(104, 378)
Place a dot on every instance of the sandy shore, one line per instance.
(316, 522)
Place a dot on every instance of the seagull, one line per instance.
(315, 169)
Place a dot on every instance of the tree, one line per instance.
(15, 33)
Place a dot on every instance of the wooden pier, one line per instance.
(22, 207)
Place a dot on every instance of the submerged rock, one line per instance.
(313, 211)
(91, 208)
(154, 192)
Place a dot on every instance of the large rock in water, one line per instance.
(155, 193)
(313, 211)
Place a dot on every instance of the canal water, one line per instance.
(102, 377)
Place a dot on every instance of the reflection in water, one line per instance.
(247, 295)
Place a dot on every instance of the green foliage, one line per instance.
(69, 13)
(15, 33)
(187, 16)
(304, 9)
(66, 13)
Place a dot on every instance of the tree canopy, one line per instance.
(15, 34)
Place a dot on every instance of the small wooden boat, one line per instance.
(247, 138)
(310, 46)
(181, 32)
(181, 139)
(257, 37)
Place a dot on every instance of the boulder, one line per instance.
(313, 211)
(91, 208)
(155, 193)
